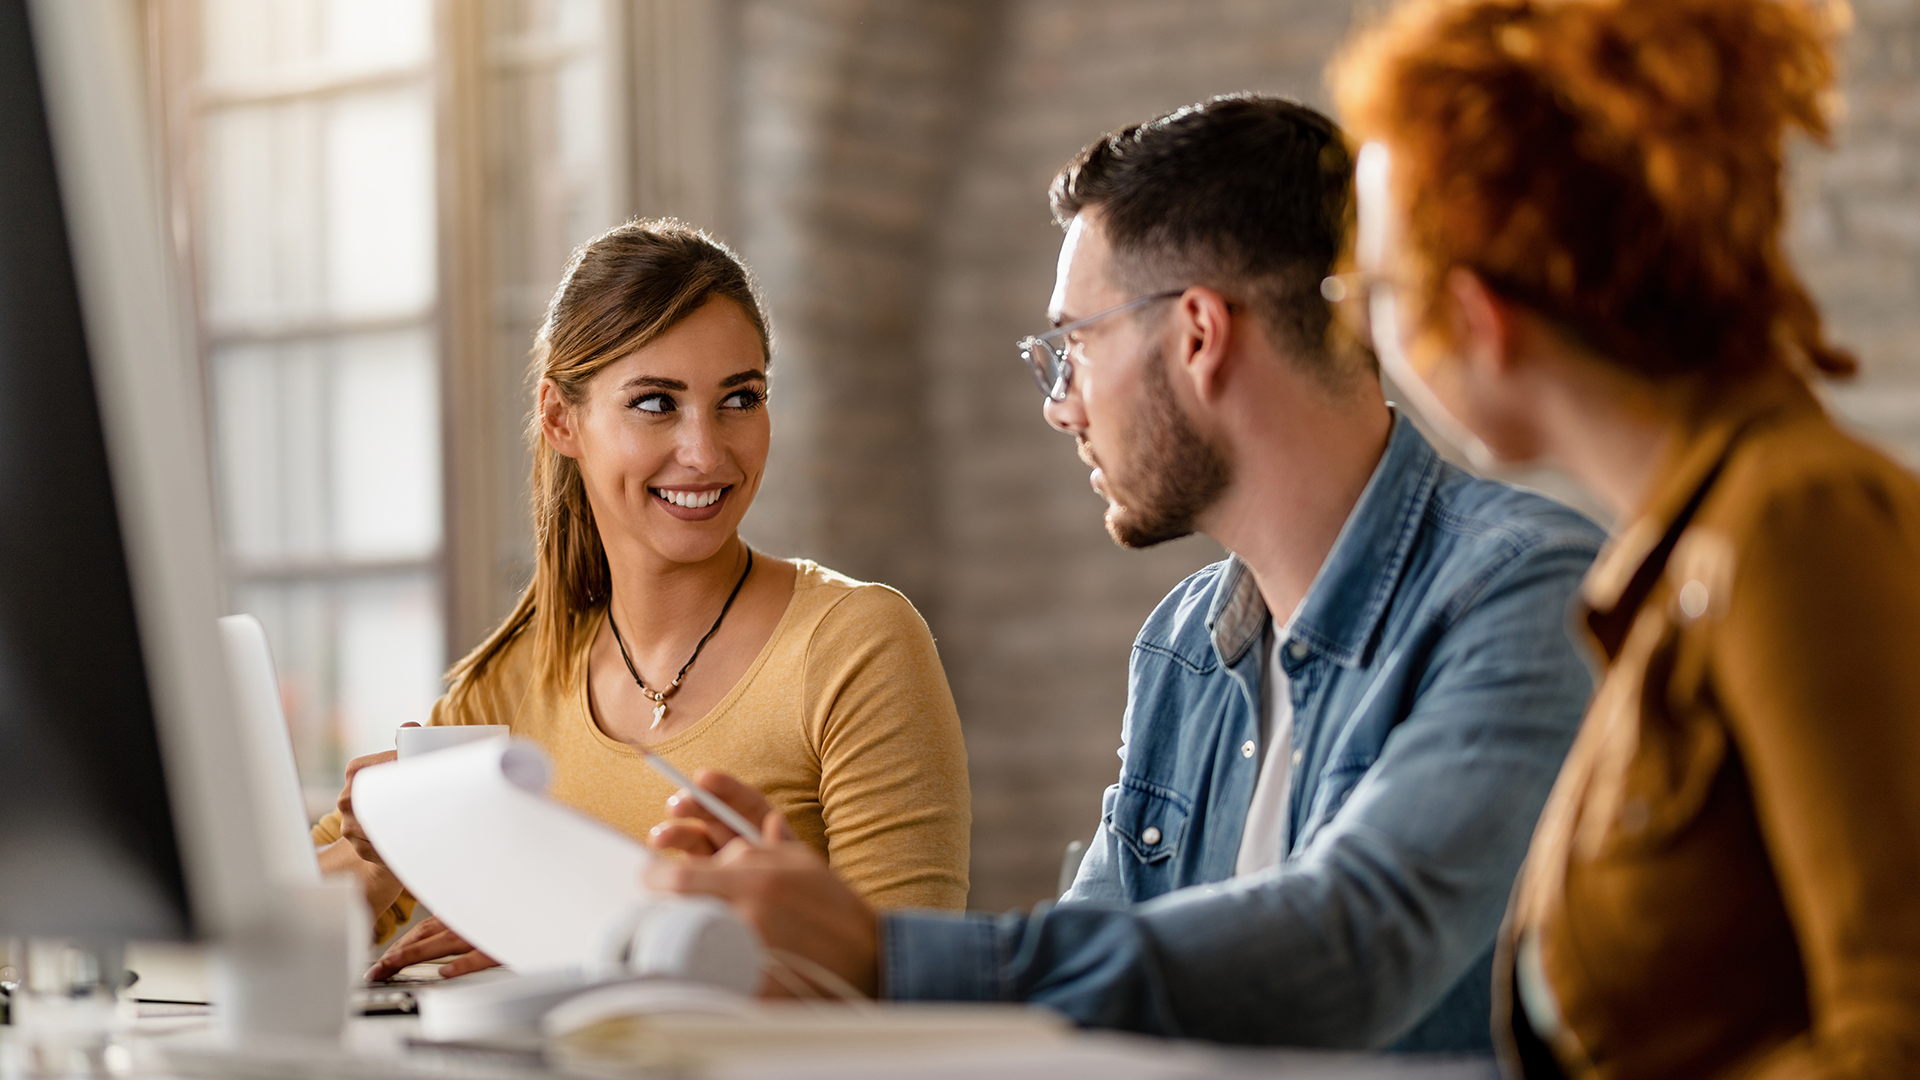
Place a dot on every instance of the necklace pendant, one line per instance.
(659, 714)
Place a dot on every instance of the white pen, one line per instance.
(708, 799)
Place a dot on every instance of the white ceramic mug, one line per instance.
(414, 741)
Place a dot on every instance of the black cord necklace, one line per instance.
(660, 696)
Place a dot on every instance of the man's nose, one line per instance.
(1065, 415)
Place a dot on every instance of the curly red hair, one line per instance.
(1613, 164)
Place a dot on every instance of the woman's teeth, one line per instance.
(692, 500)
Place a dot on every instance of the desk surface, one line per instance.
(382, 1049)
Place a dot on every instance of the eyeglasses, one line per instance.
(1046, 355)
(1353, 295)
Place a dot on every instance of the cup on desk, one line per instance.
(414, 741)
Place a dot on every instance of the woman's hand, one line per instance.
(430, 940)
(693, 828)
(350, 829)
(790, 897)
(355, 854)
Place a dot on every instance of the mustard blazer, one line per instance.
(1726, 879)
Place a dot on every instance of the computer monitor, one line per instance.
(126, 803)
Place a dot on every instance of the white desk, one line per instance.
(378, 1049)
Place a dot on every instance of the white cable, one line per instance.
(790, 979)
(800, 968)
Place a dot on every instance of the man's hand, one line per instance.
(430, 940)
(694, 829)
(786, 892)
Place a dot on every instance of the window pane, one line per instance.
(573, 20)
(386, 447)
(380, 223)
(356, 660)
(316, 216)
(296, 621)
(581, 115)
(554, 117)
(252, 39)
(377, 33)
(263, 231)
(249, 39)
(391, 655)
(320, 208)
(329, 448)
(270, 434)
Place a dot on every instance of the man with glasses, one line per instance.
(1338, 739)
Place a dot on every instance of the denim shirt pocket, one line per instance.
(1150, 821)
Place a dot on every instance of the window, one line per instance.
(374, 199)
(304, 143)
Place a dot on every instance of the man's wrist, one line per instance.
(933, 956)
(875, 983)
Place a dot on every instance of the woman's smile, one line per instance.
(693, 502)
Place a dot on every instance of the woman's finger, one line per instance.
(432, 947)
(425, 928)
(359, 763)
(467, 963)
(397, 959)
(350, 825)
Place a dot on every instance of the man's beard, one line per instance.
(1175, 475)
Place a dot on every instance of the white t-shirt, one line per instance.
(1265, 836)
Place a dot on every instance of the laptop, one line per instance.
(256, 694)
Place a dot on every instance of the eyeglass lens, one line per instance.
(1049, 368)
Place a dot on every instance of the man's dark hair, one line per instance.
(1245, 194)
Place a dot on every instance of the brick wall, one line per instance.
(850, 109)
(894, 164)
(1855, 232)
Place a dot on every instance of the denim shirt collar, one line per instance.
(1343, 606)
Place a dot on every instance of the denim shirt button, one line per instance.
(1298, 649)
(1150, 836)
(1247, 748)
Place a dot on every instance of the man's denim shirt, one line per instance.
(1435, 692)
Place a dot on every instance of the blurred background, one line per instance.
(373, 199)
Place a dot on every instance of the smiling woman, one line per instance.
(650, 624)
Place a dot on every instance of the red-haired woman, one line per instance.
(1570, 222)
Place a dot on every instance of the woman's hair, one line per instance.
(621, 290)
(1612, 164)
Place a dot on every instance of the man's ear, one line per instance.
(1206, 340)
(556, 420)
(1483, 322)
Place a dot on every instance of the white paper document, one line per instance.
(470, 832)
